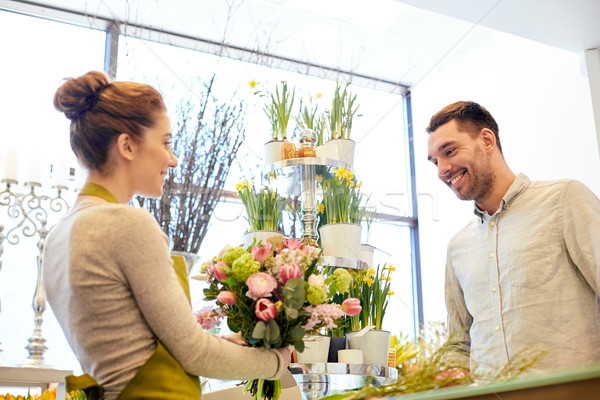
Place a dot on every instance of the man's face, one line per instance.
(461, 161)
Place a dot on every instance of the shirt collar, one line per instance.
(518, 186)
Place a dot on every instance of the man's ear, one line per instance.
(488, 139)
(126, 146)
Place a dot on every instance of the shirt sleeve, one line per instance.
(143, 254)
(581, 230)
(459, 321)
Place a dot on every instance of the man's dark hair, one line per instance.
(470, 117)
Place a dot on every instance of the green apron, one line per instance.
(161, 376)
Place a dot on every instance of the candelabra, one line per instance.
(30, 210)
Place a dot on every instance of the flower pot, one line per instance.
(366, 253)
(336, 343)
(273, 151)
(341, 240)
(375, 346)
(316, 349)
(327, 150)
(345, 150)
(258, 236)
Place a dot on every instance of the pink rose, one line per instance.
(351, 306)
(261, 253)
(219, 271)
(260, 285)
(226, 297)
(265, 310)
(290, 271)
(292, 244)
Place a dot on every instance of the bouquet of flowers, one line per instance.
(273, 295)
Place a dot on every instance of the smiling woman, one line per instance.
(123, 308)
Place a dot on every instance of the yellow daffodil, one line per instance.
(369, 281)
(391, 293)
(243, 185)
(359, 184)
(319, 95)
(321, 208)
(252, 84)
(392, 268)
(342, 173)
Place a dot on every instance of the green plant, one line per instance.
(263, 208)
(342, 113)
(342, 198)
(369, 214)
(279, 109)
(372, 288)
(309, 119)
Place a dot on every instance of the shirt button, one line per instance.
(497, 327)
(494, 289)
(492, 223)
(491, 255)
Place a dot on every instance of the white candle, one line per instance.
(32, 167)
(10, 164)
(350, 356)
(60, 173)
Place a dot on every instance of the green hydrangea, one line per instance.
(342, 280)
(315, 295)
(243, 267)
(233, 254)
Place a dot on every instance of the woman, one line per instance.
(108, 273)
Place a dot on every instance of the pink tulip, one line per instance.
(292, 244)
(261, 253)
(351, 306)
(219, 271)
(226, 297)
(260, 285)
(290, 271)
(265, 310)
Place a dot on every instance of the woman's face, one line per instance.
(154, 158)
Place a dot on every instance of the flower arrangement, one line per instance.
(273, 296)
(279, 109)
(342, 113)
(372, 288)
(342, 198)
(210, 318)
(264, 208)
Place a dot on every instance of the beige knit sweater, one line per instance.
(109, 279)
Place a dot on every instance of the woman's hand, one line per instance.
(286, 354)
(235, 338)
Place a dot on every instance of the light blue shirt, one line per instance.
(527, 277)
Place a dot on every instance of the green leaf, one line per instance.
(290, 312)
(294, 294)
(298, 332)
(260, 330)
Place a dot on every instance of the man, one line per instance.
(525, 273)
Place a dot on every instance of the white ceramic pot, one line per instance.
(366, 253)
(345, 150)
(252, 236)
(341, 240)
(273, 151)
(375, 346)
(327, 150)
(316, 349)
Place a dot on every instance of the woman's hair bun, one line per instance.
(78, 95)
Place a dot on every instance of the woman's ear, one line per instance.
(125, 146)
(488, 138)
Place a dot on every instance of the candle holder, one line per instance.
(31, 210)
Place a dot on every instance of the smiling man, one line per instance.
(524, 274)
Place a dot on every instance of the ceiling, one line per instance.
(387, 41)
